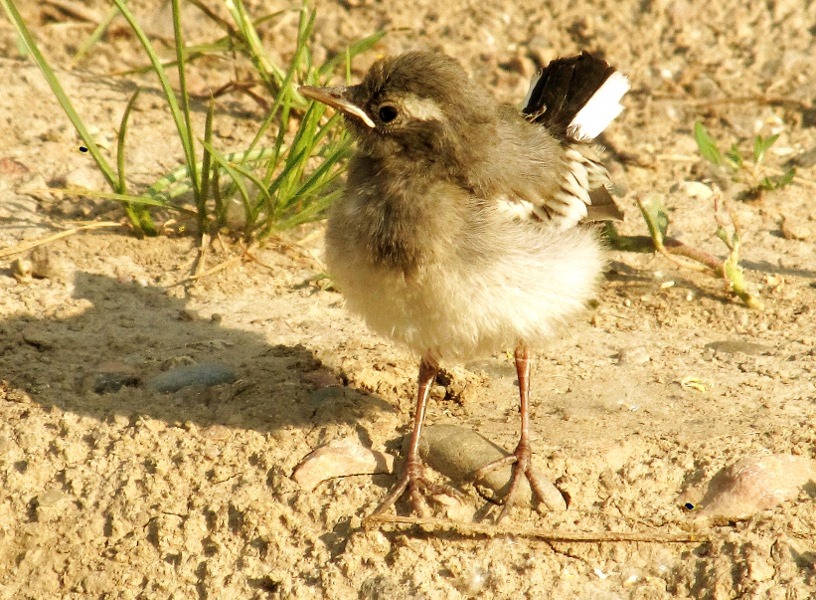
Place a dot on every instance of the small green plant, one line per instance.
(755, 173)
(657, 222)
(274, 188)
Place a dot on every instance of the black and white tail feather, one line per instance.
(576, 98)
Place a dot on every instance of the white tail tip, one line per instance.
(600, 110)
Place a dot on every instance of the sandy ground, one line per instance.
(139, 494)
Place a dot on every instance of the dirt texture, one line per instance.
(135, 493)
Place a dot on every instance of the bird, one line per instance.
(461, 232)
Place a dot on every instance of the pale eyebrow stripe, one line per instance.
(424, 109)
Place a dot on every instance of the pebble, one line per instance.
(12, 167)
(340, 458)
(46, 264)
(205, 374)
(734, 346)
(89, 178)
(695, 189)
(113, 376)
(43, 340)
(633, 356)
(755, 483)
(458, 453)
(806, 159)
(53, 506)
(795, 230)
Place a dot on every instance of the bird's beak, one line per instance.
(337, 97)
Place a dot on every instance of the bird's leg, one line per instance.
(412, 478)
(521, 459)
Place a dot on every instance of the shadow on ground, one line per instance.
(143, 331)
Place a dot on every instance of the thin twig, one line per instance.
(25, 246)
(735, 100)
(201, 256)
(672, 247)
(76, 10)
(488, 530)
(219, 267)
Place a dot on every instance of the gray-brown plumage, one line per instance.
(456, 233)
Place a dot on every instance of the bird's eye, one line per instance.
(388, 113)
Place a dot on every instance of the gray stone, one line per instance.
(204, 374)
(458, 453)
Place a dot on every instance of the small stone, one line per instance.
(806, 159)
(33, 335)
(795, 230)
(734, 346)
(633, 356)
(21, 269)
(206, 374)
(113, 376)
(47, 265)
(340, 458)
(12, 167)
(458, 453)
(87, 178)
(755, 483)
(696, 189)
(53, 506)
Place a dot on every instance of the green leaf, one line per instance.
(734, 157)
(786, 178)
(708, 148)
(657, 219)
(762, 145)
(774, 183)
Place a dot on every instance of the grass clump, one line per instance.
(737, 165)
(273, 187)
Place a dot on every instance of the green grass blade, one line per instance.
(270, 72)
(762, 145)
(351, 51)
(206, 168)
(188, 142)
(137, 214)
(708, 148)
(170, 96)
(95, 36)
(237, 179)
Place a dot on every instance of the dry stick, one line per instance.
(76, 10)
(201, 255)
(488, 530)
(245, 254)
(25, 246)
(735, 100)
(219, 267)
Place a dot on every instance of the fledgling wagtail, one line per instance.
(458, 233)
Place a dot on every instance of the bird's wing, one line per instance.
(562, 184)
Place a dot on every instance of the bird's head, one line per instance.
(418, 106)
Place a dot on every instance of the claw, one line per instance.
(414, 482)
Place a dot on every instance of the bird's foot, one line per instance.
(522, 462)
(419, 487)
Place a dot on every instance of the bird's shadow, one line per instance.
(143, 331)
